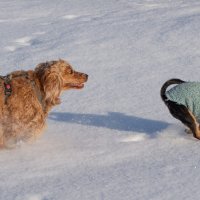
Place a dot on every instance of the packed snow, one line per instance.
(115, 139)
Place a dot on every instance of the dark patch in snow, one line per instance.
(113, 120)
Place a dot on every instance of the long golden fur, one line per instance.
(34, 93)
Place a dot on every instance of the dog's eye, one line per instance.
(71, 71)
(68, 71)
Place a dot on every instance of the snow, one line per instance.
(115, 139)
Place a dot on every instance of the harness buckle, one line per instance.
(7, 86)
(8, 89)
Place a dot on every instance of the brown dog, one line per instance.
(27, 97)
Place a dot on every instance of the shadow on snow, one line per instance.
(113, 120)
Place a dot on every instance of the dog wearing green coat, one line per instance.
(183, 102)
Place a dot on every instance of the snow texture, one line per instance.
(115, 139)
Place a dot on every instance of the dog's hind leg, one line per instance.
(195, 127)
(181, 113)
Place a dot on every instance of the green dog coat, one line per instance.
(187, 94)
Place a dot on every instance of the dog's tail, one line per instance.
(166, 85)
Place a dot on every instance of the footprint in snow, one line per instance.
(19, 43)
(24, 42)
(10, 48)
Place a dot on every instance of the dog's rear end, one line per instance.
(180, 112)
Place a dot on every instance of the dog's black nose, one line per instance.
(86, 76)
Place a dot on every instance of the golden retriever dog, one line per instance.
(26, 97)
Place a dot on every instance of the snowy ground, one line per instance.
(115, 139)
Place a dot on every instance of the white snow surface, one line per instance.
(115, 139)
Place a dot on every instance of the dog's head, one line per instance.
(71, 78)
(56, 76)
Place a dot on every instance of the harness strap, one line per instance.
(8, 86)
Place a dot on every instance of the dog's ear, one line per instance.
(51, 82)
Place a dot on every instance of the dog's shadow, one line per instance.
(113, 120)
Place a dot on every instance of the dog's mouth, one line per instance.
(75, 85)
